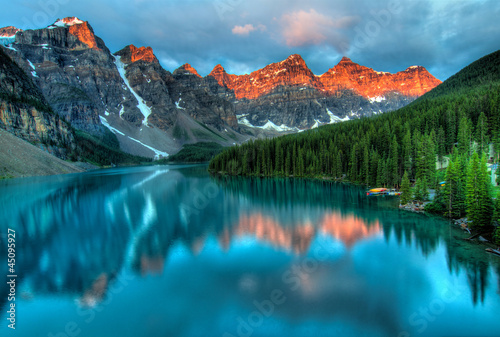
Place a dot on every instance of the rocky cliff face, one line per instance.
(168, 94)
(291, 72)
(25, 113)
(82, 82)
(200, 102)
(287, 96)
(413, 82)
(75, 72)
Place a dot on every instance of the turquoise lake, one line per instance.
(171, 251)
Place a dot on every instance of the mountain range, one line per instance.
(152, 112)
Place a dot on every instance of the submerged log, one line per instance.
(476, 235)
(493, 251)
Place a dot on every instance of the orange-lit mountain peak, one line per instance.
(131, 54)
(84, 33)
(218, 69)
(294, 59)
(346, 75)
(414, 81)
(141, 54)
(349, 229)
(79, 28)
(345, 59)
(223, 78)
(9, 31)
(187, 67)
(292, 71)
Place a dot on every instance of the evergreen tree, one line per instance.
(287, 165)
(478, 200)
(381, 172)
(429, 160)
(441, 145)
(353, 164)
(421, 193)
(406, 195)
(481, 134)
(244, 170)
(464, 136)
(392, 169)
(407, 153)
(339, 164)
(365, 166)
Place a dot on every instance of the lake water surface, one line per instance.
(170, 251)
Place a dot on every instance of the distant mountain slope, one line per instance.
(19, 158)
(25, 112)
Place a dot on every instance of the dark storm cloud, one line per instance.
(242, 35)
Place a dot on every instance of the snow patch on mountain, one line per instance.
(242, 119)
(377, 99)
(336, 119)
(177, 104)
(7, 40)
(65, 23)
(145, 110)
(104, 122)
(271, 126)
(158, 153)
(31, 65)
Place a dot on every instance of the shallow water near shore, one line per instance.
(171, 251)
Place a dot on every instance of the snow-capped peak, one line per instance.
(66, 22)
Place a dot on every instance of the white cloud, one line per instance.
(247, 29)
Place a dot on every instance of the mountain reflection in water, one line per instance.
(233, 240)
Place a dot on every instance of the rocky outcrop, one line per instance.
(413, 82)
(25, 113)
(200, 101)
(131, 54)
(150, 81)
(187, 69)
(291, 72)
(9, 31)
(19, 158)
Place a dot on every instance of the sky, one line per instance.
(245, 35)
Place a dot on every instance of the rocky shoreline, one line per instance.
(480, 237)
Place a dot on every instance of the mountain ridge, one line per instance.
(149, 108)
